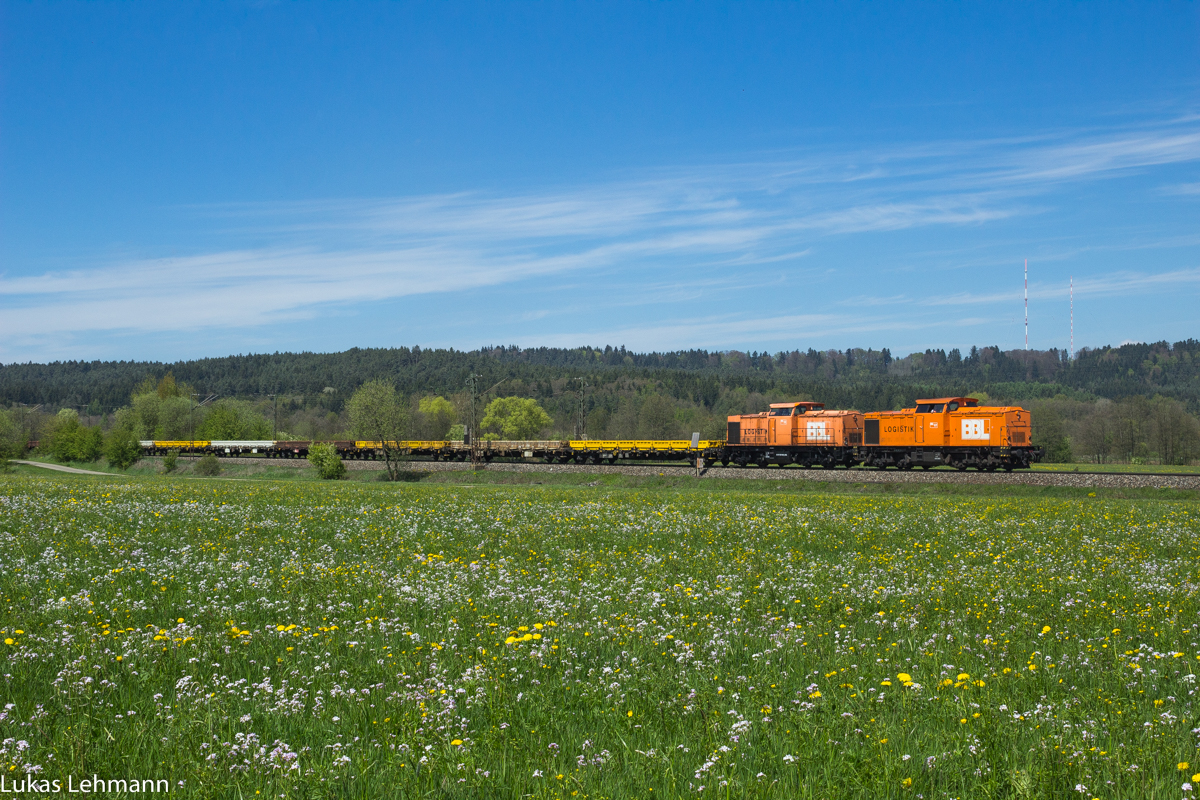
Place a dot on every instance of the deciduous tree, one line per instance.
(515, 418)
(377, 414)
(437, 416)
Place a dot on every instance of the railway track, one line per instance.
(1082, 479)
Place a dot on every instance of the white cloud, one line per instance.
(659, 230)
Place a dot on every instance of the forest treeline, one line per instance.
(1084, 406)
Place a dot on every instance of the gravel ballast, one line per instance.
(1109, 480)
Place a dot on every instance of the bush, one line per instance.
(121, 448)
(208, 466)
(12, 443)
(71, 441)
(327, 462)
(171, 461)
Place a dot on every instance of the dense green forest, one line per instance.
(1079, 402)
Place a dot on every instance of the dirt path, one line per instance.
(60, 468)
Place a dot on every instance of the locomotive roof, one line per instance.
(960, 400)
(805, 403)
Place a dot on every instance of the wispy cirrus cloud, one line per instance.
(1112, 284)
(668, 227)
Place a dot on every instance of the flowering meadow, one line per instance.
(245, 639)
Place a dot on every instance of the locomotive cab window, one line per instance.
(781, 412)
(954, 406)
(923, 408)
(937, 408)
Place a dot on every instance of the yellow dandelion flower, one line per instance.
(456, 742)
(904, 677)
(1182, 765)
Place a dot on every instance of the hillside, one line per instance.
(867, 379)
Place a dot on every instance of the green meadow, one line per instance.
(296, 639)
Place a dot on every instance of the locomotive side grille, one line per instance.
(1017, 437)
(871, 431)
(734, 435)
(854, 437)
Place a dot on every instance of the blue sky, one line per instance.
(184, 180)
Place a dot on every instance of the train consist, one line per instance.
(947, 431)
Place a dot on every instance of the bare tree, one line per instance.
(1129, 427)
(1175, 432)
(1095, 435)
(378, 414)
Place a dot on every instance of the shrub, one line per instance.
(208, 466)
(121, 448)
(328, 463)
(12, 444)
(89, 444)
(171, 461)
(69, 440)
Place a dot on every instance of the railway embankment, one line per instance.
(1109, 480)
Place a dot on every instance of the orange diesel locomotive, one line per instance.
(951, 431)
(794, 433)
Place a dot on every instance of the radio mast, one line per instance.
(1027, 304)
(1072, 317)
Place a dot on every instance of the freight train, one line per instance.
(947, 431)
